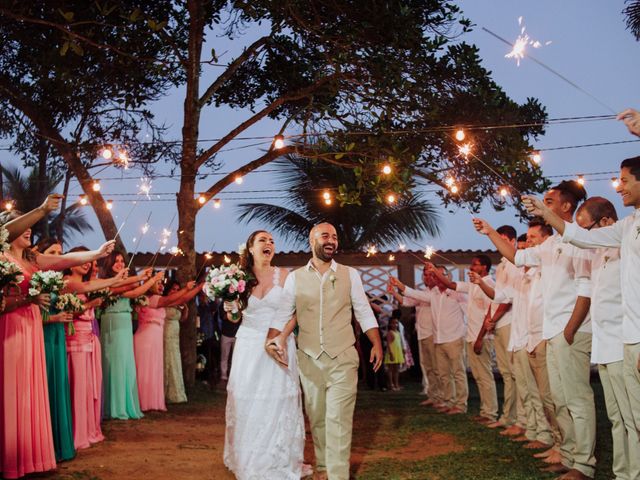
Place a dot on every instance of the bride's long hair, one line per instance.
(246, 264)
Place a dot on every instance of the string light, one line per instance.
(201, 199)
(504, 192)
(460, 135)
(239, 179)
(454, 189)
(449, 182)
(106, 153)
(581, 179)
(326, 195)
(109, 204)
(328, 201)
(217, 203)
(392, 257)
(8, 206)
(386, 169)
(391, 198)
(536, 158)
(278, 142)
(83, 200)
(615, 183)
(96, 186)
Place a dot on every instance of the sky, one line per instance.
(589, 46)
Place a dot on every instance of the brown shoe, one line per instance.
(546, 453)
(455, 411)
(536, 445)
(555, 468)
(574, 474)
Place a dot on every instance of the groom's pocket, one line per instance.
(351, 356)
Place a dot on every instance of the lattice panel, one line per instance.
(375, 279)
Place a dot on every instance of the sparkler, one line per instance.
(207, 256)
(166, 232)
(522, 50)
(429, 252)
(522, 42)
(135, 204)
(371, 251)
(145, 229)
(145, 187)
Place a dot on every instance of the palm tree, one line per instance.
(358, 225)
(29, 191)
(632, 12)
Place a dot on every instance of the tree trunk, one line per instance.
(185, 202)
(63, 208)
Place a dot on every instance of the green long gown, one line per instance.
(118, 362)
(55, 348)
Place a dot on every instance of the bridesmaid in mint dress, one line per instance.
(116, 336)
(58, 370)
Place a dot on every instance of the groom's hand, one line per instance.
(376, 350)
(276, 348)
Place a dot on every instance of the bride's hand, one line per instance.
(276, 348)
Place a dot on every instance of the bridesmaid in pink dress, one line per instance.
(26, 439)
(148, 344)
(85, 356)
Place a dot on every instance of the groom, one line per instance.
(324, 295)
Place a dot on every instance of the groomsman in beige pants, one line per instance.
(324, 295)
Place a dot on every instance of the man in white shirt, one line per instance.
(324, 296)
(447, 310)
(617, 368)
(424, 332)
(566, 280)
(479, 358)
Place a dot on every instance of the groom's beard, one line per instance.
(326, 255)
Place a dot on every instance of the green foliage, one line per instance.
(632, 14)
(360, 221)
(28, 192)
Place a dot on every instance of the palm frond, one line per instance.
(288, 223)
(632, 12)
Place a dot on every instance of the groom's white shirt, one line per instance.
(361, 308)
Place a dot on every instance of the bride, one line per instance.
(264, 436)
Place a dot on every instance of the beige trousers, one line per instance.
(430, 381)
(505, 367)
(483, 375)
(538, 364)
(452, 375)
(626, 447)
(632, 380)
(569, 369)
(330, 386)
(536, 423)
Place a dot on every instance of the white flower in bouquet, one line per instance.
(10, 274)
(69, 302)
(48, 281)
(34, 292)
(4, 240)
(141, 301)
(226, 282)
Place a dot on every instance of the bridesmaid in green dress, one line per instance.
(116, 336)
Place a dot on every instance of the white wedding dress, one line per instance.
(264, 436)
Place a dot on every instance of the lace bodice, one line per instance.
(260, 311)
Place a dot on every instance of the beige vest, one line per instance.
(324, 311)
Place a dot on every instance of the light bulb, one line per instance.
(217, 203)
(460, 135)
(278, 142)
(536, 158)
(581, 180)
(391, 198)
(615, 183)
(107, 153)
(328, 201)
(201, 199)
(239, 179)
(454, 189)
(8, 206)
(504, 192)
(109, 204)
(386, 169)
(83, 200)
(96, 186)
(326, 195)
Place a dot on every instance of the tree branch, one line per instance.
(232, 68)
(302, 93)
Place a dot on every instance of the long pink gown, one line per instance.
(148, 349)
(26, 439)
(85, 376)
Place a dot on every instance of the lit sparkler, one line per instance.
(145, 187)
(371, 250)
(519, 50)
(145, 229)
(429, 251)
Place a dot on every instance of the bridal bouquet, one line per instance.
(226, 282)
(4, 237)
(50, 282)
(10, 274)
(69, 303)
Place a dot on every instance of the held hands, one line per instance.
(43, 300)
(534, 205)
(631, 119)
(106, 248)
(63, 317)
(52, 203)
(276, 348)
(482, 226)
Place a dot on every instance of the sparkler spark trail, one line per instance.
(519, 50)
(166, 232)
(554, 72)
(145, 229)
(135, 204)
(371, 250)
(145, 187)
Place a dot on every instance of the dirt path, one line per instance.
(187, 442)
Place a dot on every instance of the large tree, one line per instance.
(377, 81)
